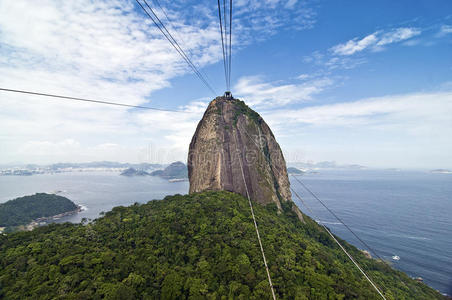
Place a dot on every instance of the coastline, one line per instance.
(44, 220)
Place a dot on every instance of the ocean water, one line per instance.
(96, 192)
(407, 214)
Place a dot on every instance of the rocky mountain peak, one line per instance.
(233, 149)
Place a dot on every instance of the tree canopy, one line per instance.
(199, 246)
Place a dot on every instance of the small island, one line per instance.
(175, 172)
(25, 213)
(134, 172)
(294, 171)
(441, 171)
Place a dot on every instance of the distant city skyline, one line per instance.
(366, 83)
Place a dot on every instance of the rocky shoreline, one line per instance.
(44, 220)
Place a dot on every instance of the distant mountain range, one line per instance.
(176, 170)
(134, 172)
(324, 165)
(294, 171)
(34, 169)
(102, 164)
(441, 171)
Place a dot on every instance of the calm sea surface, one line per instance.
(408, 214)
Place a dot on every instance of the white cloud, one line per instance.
(427, 107)
(333, 62)
(266, 17)
(409, 130)
(344, 56)
(375, 40)
(110, 50)
(412, 42)
(290, 3)
(114, 41)
(345, 63)
(355, 45)
(34, 130)
(58, 148)
(444, 30)
(98, 48)
(303, 76)
(397, 35)
(259, 93)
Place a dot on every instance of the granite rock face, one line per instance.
(231, 136)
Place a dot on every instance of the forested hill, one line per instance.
(199, 246)
(23, 210)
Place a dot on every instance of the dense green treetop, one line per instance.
(23, 210)
(199, 246)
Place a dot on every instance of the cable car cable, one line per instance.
(174, 43)
(181, 40)
(222, 43)
(91, 100)
(230, 44)
(351, 258)
(339, 219)
(343, 249)
(255, 223)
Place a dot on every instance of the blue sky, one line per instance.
(357, 82)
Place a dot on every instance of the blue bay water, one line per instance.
(407, 214)
(96, 191)
(396, 213)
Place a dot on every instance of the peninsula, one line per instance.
(27, 212)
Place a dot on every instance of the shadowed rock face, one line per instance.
(231, 135)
